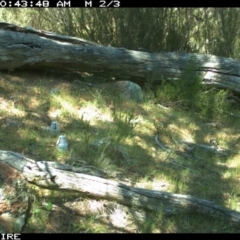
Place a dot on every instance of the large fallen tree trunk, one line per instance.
(57, 176)
(29, 48)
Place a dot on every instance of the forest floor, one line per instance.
(30, 101)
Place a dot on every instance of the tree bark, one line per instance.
(28, 48)
(63, 177)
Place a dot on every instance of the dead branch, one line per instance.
(28, 48)
(57, 176)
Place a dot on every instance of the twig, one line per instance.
(161, 106)
(216, 150)
(174, 163)
(161, 145)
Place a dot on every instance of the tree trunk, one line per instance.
(22, 48)
(63, 177)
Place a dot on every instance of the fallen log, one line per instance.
(63, 177)
(28, 48)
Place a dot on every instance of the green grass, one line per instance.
(86, 115)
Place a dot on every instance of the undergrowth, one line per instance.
(119, 138)
(188, 93)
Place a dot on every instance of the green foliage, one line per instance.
(189, 93)
(213, 104)
(124, 125)
(202, 30)
(185, 90)
(151, 223)
(48, 206)
(189, 85)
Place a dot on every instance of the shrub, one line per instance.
(189, 93)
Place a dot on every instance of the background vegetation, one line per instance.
(174, 111)
(200, 30)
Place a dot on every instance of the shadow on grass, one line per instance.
(212, 178)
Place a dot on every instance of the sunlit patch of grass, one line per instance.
(88, 115)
